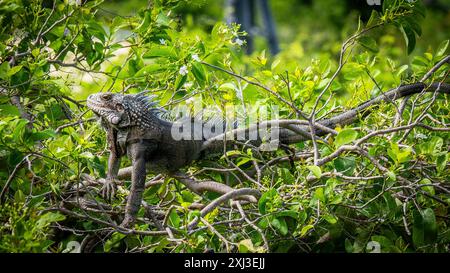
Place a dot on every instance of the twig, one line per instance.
(11, 177)
(228, 196)
(242, 212)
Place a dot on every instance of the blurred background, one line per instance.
(298, 30)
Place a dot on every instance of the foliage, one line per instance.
(54, 54)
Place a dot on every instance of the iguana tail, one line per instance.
(298, 133)
(289, 136)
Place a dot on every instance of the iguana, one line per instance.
(137, 128)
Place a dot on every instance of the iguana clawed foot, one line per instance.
(108, 190)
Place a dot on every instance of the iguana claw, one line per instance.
(108, 190)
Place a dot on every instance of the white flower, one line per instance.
(162, 41)
(421, 136)
(75, 2)
(239, 41)
(183, 70)
(190, 100)
(195, 57)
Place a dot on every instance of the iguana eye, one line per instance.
(106, 96)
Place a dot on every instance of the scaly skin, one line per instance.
(134, 127)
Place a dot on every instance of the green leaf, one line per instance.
(161, 51)
(270, 194)
(35, 52)
(316, 171)
(302, 216)
(280, 225)
(228, 86)
(199, 73)
(19, 129)
(373, 18)
(9, 110)
(348, 246)
(286, 175)
(330, 219)
(353, 71)
(143, 27)
(96, 29)
(336, 200)
(305, 230)
(429, 189)
(243, 160)
(387, 4)
(436, 144)
(345, 165)
(149, 69)
(275, 64)
(49, 218)
(441, 162)
(14, 70)
(399, 155)
(45, 134)
(180, 81)
(174, 219)
(432, 147)
(424, 227)
(56, 44)
(319, 194)
(429, 56)
(87, 155)
(345, 136)
(409, 36)
(263, 223)
(193, 214)
(162, 19)
(401, 69)
(288, 213)
(419, 8)
(4, 68)
(114, 241)
(246, 246)
(231, 153)
(384, 241)
(412, 23)
(369, 43)
(442, 48)
(391, 176)
(19, 197)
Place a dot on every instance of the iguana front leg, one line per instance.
(110, 183)
(137, 153)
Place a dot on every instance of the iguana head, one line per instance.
(121, 110)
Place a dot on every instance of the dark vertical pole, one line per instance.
(244, 15)
(230, 11)
(270, 27)
(253, 24)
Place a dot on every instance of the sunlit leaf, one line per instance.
(345, 136)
